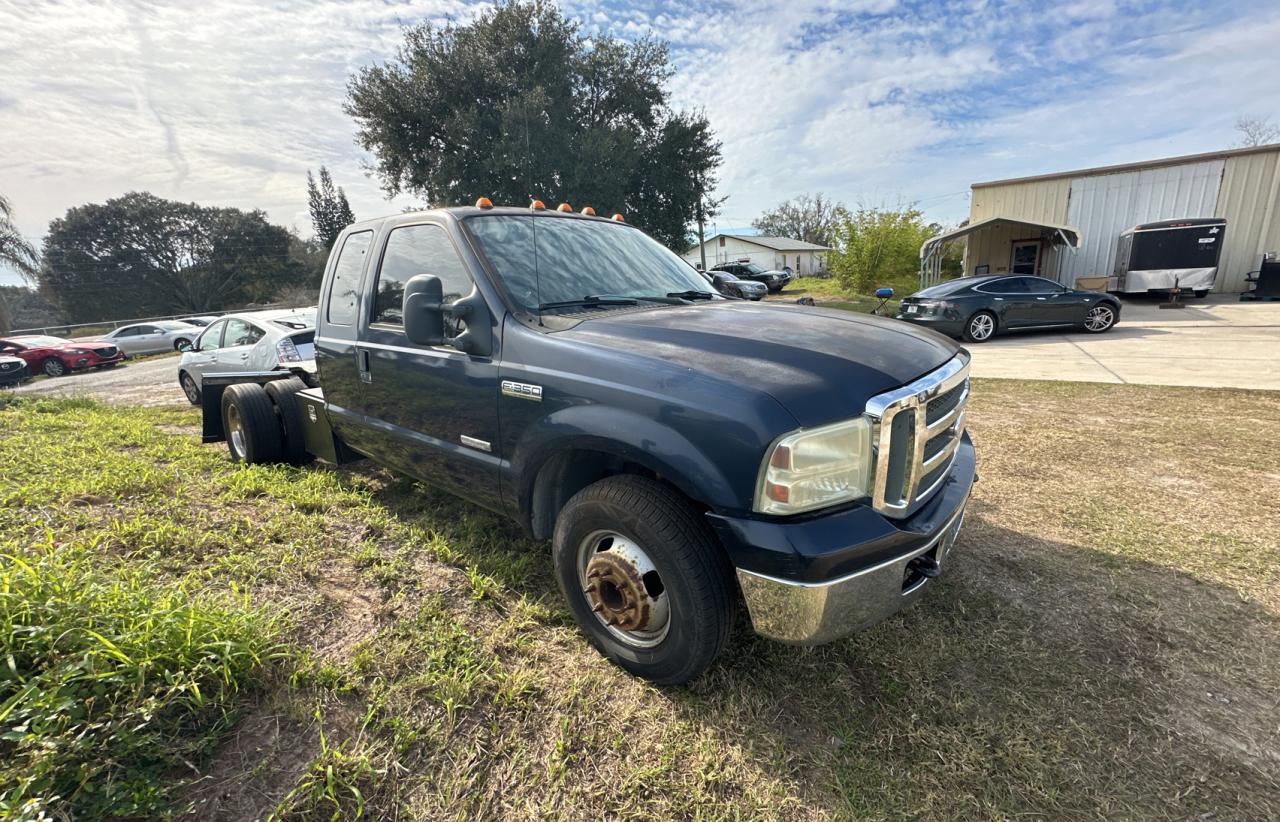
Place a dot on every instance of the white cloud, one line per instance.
(229, 103)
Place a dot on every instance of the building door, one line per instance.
(1026, 258)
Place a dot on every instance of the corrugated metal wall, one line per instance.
(1102, 206)
(1038, 200)
(1250, 200)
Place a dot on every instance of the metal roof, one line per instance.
(775, 243)
(1069, 234)
(1167, 161)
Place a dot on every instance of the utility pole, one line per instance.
(702, 244)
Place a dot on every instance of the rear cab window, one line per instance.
(344, 289)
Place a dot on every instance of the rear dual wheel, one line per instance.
(262, 425)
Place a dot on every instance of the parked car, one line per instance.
(200, 321)
(153, 337)
(255, 341)
(775, 280)
(681, 451)
(978, 308)
(54, 356)
(731, 286)
(13, 370)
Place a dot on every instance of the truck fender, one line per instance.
(626, 434)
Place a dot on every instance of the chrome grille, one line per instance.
(918, 429)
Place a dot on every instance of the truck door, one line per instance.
(431, 411)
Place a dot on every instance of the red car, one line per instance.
(55, 356)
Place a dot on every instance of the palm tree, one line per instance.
(15, 252)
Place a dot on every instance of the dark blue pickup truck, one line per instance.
(683, 451)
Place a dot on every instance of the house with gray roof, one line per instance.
(804, 259)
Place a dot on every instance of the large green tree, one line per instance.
(141, 255)
(519, 105)
(330, 212)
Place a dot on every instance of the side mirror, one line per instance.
(184, 347)
(423, 312)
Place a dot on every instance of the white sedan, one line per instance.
(255, 341)
(153, 337)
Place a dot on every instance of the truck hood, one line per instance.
(820, 364)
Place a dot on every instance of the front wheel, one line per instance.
(1202, 293)
(54, 367)
(644, 577)
(1100, 318)
(181, 341)
(981, 327)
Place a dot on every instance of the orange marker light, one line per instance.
(565, 207)
(618, 218)
(484, 202)
(537, 205)
(589, 211)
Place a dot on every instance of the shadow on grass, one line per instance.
(1037, 676)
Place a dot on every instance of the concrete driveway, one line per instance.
(1217, 342)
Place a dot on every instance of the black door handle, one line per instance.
(365, 376)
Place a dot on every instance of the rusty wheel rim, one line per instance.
(623, 589)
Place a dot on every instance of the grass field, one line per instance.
(829, 292)
(179, 634)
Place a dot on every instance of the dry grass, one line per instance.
(1104, 642)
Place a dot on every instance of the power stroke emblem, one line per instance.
(522, 390)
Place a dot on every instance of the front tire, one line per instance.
(1202, 293)
(644, 577)
(54, 367)
(250, 425)
(1100, 318)
(181, 341)
(981, 327)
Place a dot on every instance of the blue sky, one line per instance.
(871, 101)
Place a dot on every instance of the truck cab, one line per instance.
(683, 451)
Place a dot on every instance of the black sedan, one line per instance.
(773, 280)
(978, 308)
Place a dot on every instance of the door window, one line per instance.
(1008, 285)
(211, 339)
(413, 250)
(344, 292)
(132, 331)
(240, 332)
(1025, 257)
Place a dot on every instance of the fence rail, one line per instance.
(66, 329)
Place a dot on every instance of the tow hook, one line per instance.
(924, 565)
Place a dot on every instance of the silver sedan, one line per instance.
(153, 337)
(255, 341)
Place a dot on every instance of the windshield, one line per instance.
(753, 268)
(577, 258)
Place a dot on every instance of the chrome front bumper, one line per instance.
(809, 613)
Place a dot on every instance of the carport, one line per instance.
(1003, 245)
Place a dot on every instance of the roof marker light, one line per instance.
(564, 207)
(618, 218)
(537, 205)
(484, 202)
(589, 211)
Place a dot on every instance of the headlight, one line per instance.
(816, 468)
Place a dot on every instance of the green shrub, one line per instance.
(112, 680)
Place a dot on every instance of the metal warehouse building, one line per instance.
(1065, 226)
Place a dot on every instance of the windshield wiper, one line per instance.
(589, 301)
(691, 295)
